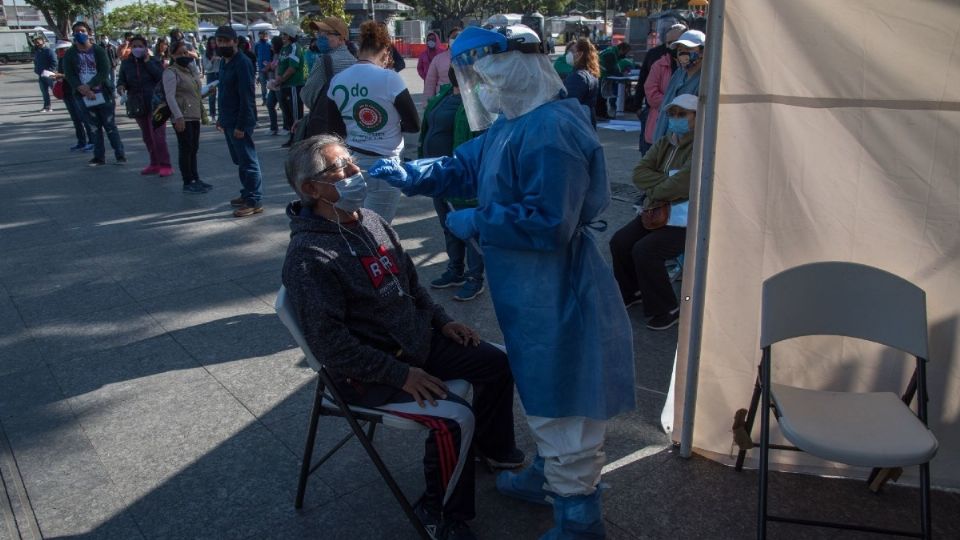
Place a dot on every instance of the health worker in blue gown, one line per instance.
(538, 173)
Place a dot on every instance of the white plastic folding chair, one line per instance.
(876, 429)
(328, 401)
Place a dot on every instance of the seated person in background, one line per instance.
(639, 254)
(445, 127)
(366, 317)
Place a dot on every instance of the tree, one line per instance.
(450, 13)
(148, 18)
(60, 14)
(328, 8)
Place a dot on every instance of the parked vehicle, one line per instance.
(16, 46)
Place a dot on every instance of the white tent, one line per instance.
(837, 137)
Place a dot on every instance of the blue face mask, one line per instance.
(352, 192)
(680, 126)
(323, 44)
(81, 38)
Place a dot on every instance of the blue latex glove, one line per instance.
(390, 171)
(462, 223)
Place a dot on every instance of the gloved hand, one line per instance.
(391, 171)
(462, 224)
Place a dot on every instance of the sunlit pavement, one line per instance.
(148, 390)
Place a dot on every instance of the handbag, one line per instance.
(135, 108)
(655, 217)
(58, 89)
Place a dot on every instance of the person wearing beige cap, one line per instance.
(641, 247)
(334, 32)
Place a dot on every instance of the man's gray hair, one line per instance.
(305, 161)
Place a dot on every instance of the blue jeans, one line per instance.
(101, 118)
(212, 98)
(79, 117)
(244, 155)
(457, 249)
(45, 85)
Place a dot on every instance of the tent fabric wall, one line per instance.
(838, 139)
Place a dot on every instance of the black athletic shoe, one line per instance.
(122, 160)
(665, 320)
(512, 460)
(96, 162)
(431, 522)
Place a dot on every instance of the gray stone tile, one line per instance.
(41, 268)
(94, 332)
(97, 513)
(266, 384)
(69, 301)
(238, 489)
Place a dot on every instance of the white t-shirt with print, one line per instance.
(364, 93)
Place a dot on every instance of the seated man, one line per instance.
(366, 317)
(639, 254)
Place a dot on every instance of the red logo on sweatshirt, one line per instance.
(378, 267)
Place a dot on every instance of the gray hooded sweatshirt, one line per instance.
(363, 312)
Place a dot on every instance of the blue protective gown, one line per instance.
(540, 179)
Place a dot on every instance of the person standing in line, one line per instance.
(264, 54)
(445, 127)
(269, 74)
(374, 108)
(686, 79)
(181, 85)
(427, 56)
(87, 70)
(160, 51)
(291, 74)
(655, 83)
(582, 83)
(44, 60)
(237, 103)
(211, 67)
(439, 67)
(139, 76)
(80, 125)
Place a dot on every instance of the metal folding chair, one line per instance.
(328, 401)
(877, 429)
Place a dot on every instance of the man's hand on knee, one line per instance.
(461, 333)
(423, 386)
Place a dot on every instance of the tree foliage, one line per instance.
(148, 18)
(60, 14)
(328, 8)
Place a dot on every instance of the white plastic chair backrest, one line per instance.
(289, 319)
(845, 299)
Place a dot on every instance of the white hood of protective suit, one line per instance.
(515, 83)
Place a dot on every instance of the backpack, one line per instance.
(317, 121)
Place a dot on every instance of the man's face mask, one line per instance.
(352, 193)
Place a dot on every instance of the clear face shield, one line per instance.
(474, 89)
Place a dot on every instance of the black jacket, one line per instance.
(140, 77)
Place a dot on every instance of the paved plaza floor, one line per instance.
(148, 390)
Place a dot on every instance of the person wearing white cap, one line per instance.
(642, 246)
(685, 80)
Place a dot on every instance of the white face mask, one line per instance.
(352, 193)
(569, 58)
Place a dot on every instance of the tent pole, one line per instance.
(702, 169)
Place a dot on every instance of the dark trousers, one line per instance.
(102, 118)
(638, 264)
(487, 369)
(188, 143)
(79, 118)
(272, 100)
(458, 250)
(290, 105)
(45, 85)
